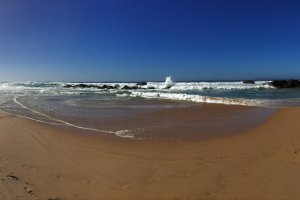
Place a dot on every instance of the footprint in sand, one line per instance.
(60, 178)
(3, 161)
(153, 179)
(181, 198)
(183, 172)
(223, 179)
(201, 161)
(87, 181)
(28, 167)
(122, 187)
(297, 156)
(16, 186)
(28, 190)
(207, 195)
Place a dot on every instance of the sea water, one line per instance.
(93, 109)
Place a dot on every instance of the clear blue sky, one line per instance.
(126, 40)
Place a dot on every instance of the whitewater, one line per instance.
(229, 93)
(84, 105)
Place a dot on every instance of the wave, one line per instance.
(119, 133)
(157, 85)
(195, 98)
(181, 86)
(231, 93)
(169, 82)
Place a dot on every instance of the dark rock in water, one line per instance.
(126, 87)
(285, 84)
(168, 87)
(81, 85)
(68, 86)
(111, 87)
(141, 83)
(106, 87)
(150, 87)
(249, 82)
(101, 87)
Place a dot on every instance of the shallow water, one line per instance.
(133, 113)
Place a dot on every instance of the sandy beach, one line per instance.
(38, 161)
(149, 100)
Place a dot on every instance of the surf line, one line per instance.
(121, 133)
(4, 102)
(25, 116)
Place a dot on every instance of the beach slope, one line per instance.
(38, 161)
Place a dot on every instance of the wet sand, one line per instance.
(199, 122)
(39, 161)
(184, 122)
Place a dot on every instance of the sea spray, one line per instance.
(169, 82)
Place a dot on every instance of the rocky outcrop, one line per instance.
(285, 84)
(106, 87)
(141, 83)
(68, 86)
(126, 87)
(249, 82)
(103, 87)
(167, 86)
(83, 86)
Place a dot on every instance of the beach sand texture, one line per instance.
(38, 161)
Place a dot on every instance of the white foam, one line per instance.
(185, 91)
(36, 120)
(120, 133)
(194, 98)
(182, 86)
(169, 82)
(124, 134)
(178, 86)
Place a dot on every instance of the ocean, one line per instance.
(108, 110)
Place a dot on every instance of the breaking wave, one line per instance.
(229, 93)
(195, 98)
(96, 103)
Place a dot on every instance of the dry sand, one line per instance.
(38, 161)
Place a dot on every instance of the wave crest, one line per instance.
(195, 98)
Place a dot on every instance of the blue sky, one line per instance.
(127, 40)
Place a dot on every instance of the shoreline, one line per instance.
(187, 122)
(39, 161)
